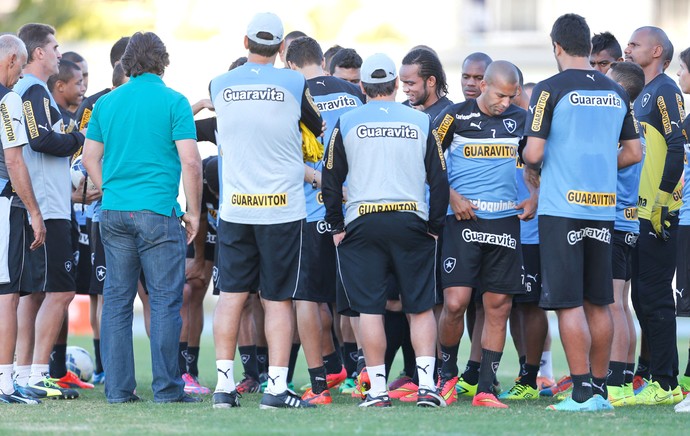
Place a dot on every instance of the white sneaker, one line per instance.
(683, 406)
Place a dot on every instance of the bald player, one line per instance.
(481, 240)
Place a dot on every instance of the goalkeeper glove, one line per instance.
(659, 215)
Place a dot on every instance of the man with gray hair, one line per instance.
(16, 199)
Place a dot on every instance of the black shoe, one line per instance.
(380, 401)
(226, 400)
(189, 399)
(285, 400)
(429, 398)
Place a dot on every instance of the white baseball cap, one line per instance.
(374, 63)
(265, 22)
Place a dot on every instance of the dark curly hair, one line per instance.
(145, 53)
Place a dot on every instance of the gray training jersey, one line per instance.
(258, 109)
(388, 154)
(12, 133)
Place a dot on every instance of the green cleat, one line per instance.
(653, 394)
(520, 392)
(465, 389)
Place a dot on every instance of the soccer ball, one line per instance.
(79, 361)
(78, 172)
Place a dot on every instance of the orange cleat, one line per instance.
(317, 399)
(71, 381)
(485, 399)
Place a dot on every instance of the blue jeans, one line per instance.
(136, 241)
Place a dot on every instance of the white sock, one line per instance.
(546, 365)
(38, 373)
(226, 378)
(377, 375)
(6, 384)
(21, 374)
(425, 371)
(277, 379)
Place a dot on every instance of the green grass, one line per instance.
(90, 414)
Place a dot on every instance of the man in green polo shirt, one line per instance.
(145, 135)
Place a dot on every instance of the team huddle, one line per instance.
(335, 219)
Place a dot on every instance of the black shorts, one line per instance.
(683, 272)
(50, 267)
(484, 254)
(98, 269)
(317, 273)
(264, 257)
(381, 242)
(18, 227)
(621, 257)
(531, 275)
(209, 247)
(82, 258)
(576, 262)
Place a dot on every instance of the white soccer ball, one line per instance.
(79, 361)
(78, 172)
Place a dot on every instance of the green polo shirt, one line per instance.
(138, 124)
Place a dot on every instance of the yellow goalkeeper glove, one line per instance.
(659, 215)
(312, 148)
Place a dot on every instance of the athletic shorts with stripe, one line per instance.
(621, 258)
(18, 226)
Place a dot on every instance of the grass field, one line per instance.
(90, 414)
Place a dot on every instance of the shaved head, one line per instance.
(658, 37)
(501, 71)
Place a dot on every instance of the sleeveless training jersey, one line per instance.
(258, 109)
(582, 115)
(12, 134)
(387, 153)
(481, 156)
(685, 209)
(660, 111)
(333, 97)
(48, 157)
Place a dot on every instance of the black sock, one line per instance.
(439, 367)
(361, 362)
(582, 387)
(294, 352)
(249, 361)
(687, 368)
(394, 325)
(599, 387)
(350, 357)
(528, 375)
(332, 363)
(521, 361)
(318, 379)
(97, 352)
(58, 366)
(262, 359)
(193, 361)
(471, 373)
(629, 372)
(642, 368)
(181, 361)
(449, 354)
(616, 374)
(487, 370)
